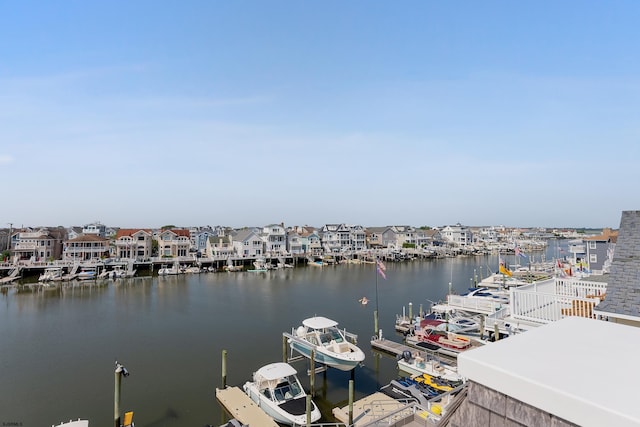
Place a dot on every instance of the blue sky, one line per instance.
(145, 113)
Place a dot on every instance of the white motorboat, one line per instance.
(276, 389)
(51, 274)
(420, 363)
(118, 272)
(87, 273)
(333, 347)
(166, 270)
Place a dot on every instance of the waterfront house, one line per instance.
(133, 243)
(219, 247)
(40, 244)
(309, 240)
(294, 243)
(600, 251)
(248, 243)
(73, 232)
(405, 234)
(374, 237)
(337, 238)
(457, 235)
(95, 229)
(199, 237)
(173, 243)
(275, 239)
(86, 247)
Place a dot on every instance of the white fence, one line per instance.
(555, 300)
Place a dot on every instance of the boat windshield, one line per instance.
(286, 391)
(335, 334)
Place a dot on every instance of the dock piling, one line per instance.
(312, 379)
(351, 394)
(224, 368)
(284, 349)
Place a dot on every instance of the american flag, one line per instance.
(380, 267)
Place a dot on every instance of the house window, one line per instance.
(593, 258)
(592, 245)
(140, 238)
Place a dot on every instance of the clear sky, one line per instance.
(147, 113)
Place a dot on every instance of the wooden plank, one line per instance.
(369, 409)
(242, 408)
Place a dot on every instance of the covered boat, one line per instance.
(333, 347)
(277, 391)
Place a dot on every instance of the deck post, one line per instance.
(116, 399)
(312, 379)
(421, 311)
(496, 333)
(351, 402)
(284, 349)
(224, 368)
(308, 410)
(410, 311)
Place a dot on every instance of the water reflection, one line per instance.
(59, 346)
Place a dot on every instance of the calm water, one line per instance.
(58, 348)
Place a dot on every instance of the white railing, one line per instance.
(551, 302)
(478, 305)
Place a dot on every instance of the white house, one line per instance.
(248, 243)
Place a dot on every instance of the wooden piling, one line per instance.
(224, 368)
(351, 394)
(312, 379)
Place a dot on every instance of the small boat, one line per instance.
(420, 363)
(165, 270)
(333, 347)
(87, 273)
(51, 274)
(118, 272)
(363, 301)
(231, 267)
(434, 339)
(276, 389)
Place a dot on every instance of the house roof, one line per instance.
(607, 235)
(89, 238)
(178, 232)
(130, 232)
(623, 289)
(242, 235)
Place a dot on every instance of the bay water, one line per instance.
(58, 348)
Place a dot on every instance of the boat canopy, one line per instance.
(319, 322)
(275, 371)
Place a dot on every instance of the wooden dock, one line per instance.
(370, 409)
(392, 347)
(242, 408)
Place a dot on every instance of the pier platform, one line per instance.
(242, 408)
(371, 409)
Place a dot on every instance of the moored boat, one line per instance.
(51, 274)
(276, 389)
(333, 347)
(420, 363)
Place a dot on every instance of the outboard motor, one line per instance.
(406, 355)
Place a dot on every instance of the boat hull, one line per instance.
(277, 412)
(341, 363)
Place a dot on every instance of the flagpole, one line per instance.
(375, 314)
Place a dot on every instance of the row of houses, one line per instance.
(96, 241)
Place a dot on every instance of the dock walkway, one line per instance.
(380, 409)
(242, 408)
